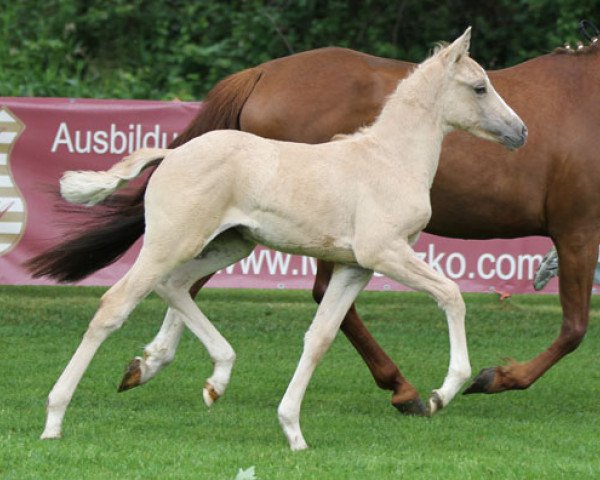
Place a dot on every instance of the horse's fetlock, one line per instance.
(226, 357)
(462, 373)
(231, 357)
(287, 416)
(572, 336)
(388, 376)
(57, 400)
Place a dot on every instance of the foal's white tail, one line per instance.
(90, 187)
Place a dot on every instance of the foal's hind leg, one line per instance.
(226, 249)
(115, 306)
(160, 352)
(385, 372)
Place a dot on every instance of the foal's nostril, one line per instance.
(524, 131)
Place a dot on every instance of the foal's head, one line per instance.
(470, 101)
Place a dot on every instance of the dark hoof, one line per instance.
(412, 407)
(132, 377)
(482, 382)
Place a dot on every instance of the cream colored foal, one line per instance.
(360, 201)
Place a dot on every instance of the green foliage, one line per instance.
(176, 48)
(163, 430)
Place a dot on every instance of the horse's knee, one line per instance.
(387, 376)
(451, 299)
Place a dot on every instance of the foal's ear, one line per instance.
(459, 47)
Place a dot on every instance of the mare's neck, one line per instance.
(410, 125)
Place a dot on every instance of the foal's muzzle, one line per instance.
(515, 140)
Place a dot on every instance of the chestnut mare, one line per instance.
(549, 187)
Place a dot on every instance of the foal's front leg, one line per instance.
(346, 283)
(400, 262)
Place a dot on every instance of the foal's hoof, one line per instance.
(482, 382)
(412, 407)
(434, 404)
(51, 435)
(209, 394)
(133, 375)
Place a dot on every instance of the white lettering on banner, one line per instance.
(454, 265)
(309, 266)
(276, 263)
(112, 140)
(489, 258)
(507, 266)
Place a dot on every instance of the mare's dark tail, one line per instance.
(111, 227)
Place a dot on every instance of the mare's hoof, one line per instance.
(133, 375)
(434, 404)
(482, 382)
(412, 407)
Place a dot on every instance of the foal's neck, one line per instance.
(410, 124)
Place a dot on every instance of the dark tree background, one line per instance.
(168, 49)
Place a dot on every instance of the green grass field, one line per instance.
(163, 430)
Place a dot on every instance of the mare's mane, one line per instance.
(581, 49)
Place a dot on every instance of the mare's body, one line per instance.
(550, 187)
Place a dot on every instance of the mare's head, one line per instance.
(470, 101)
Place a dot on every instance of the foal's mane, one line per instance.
(361, 131)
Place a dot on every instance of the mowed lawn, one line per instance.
(163, 430)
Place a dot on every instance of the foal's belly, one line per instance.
(290, 238)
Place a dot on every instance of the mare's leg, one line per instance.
(115, 306)
(346, 283)
(399, 261)
(385, 372)
(161, 350)
(578, 255)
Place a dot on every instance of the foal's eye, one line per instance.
(480, 89)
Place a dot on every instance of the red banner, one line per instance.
(41, 138)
